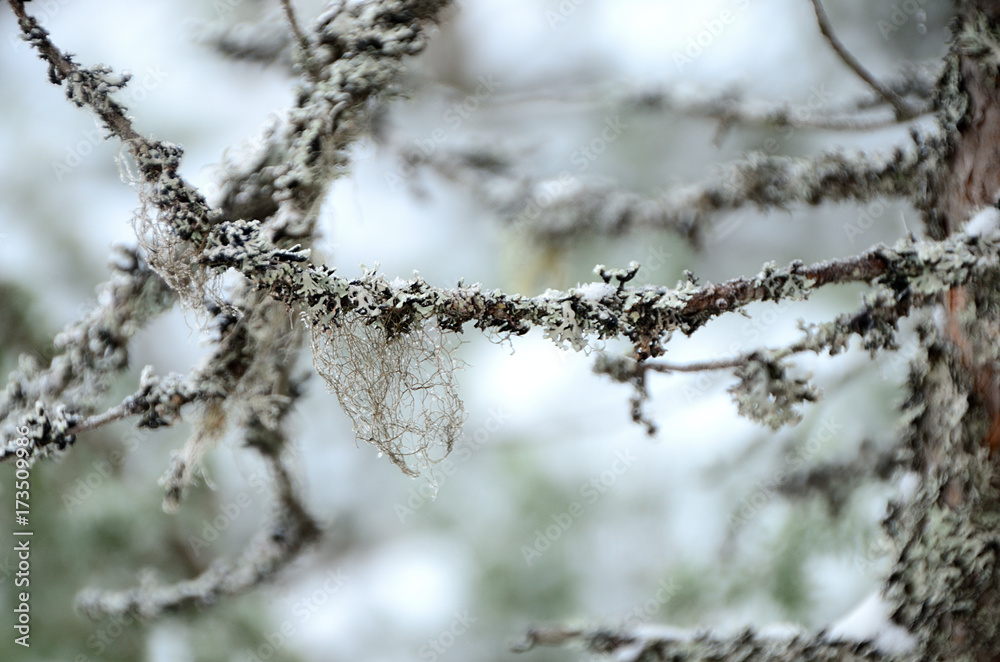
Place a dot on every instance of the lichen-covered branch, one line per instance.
(566, 206)
(821, 112)
(730, 110)
(357, 49)
(941, 596)
(601, 310)
(278, 543)
(246, 384)
(663, 644)
(361, 47)
(765, 392)
(248, 381)
(93, 351)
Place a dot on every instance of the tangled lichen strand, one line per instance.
(172, 222)
(398, 389)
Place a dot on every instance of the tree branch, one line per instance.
(729, 110)
(764, 391)
(903, 109)
(566, 206)
(643, 315)
(93, 351)
(290, 532)
(654, 644)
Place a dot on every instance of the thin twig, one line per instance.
(293, 22)
(724, 108)
(729, 107)
(740, 360)
(903, 109)
(301, 38)
(732, 111)
(721, 364)
(131, 405)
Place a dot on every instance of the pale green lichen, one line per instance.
(766, 393)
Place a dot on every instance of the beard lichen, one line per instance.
(397, 388)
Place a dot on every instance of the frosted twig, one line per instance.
(93, 350)
(131, 405)
(764, 391)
